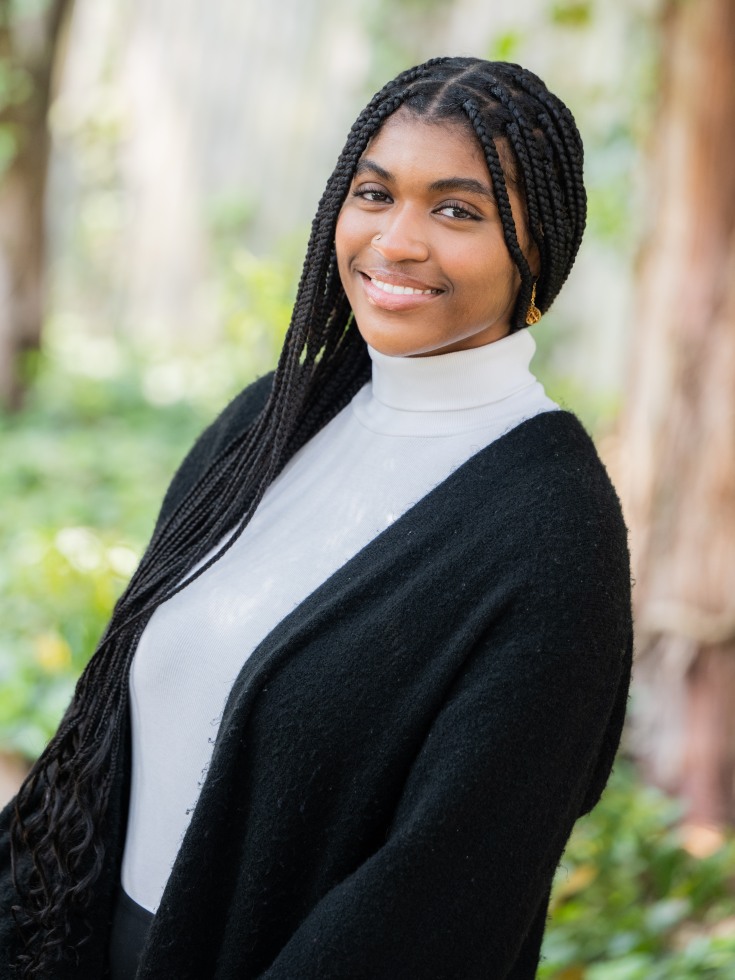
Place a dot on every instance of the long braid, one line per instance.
(63, 805)
(562, 136)
(543, 197)
(547, 148)
(502, 200)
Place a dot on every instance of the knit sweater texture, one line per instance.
(401, 760)
(405, 431)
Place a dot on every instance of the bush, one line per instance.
(84, 469)
(630, 903)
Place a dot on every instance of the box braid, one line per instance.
(528, 137)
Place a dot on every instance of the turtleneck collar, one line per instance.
(459, 380)
(488, 388)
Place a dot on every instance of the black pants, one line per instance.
(130, 925)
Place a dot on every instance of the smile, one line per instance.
(394, 297)
(388, 287)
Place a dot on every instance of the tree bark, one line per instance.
(27, 51)
(679, 425)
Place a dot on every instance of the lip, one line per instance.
(395, 301)
(397, 279)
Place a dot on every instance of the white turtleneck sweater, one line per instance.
(401, 435)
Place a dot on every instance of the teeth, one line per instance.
(388, 287)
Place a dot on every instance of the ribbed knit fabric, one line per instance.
(402, 435)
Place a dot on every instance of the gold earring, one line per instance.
(533, 313)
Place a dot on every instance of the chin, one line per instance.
(398, 342)
(392, 346)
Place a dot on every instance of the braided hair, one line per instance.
(528, 138)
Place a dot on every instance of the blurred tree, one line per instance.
(29, 36)
(679, 425)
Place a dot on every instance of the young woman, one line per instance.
(374, 662)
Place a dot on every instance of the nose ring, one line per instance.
(377, 238)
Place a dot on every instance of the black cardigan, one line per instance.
(402, 759)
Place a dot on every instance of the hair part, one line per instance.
(528, 137)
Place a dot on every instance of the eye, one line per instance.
(373, 195)
(454, 209)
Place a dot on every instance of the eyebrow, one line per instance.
(468, 184)
(365, 164)
(462, 184)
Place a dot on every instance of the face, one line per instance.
(420, 244)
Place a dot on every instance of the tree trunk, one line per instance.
(679, 424)
(27, 52)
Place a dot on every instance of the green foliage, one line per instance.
(84, 468)
(506, 46)
(630, 903)
(571, 13)
(87, 462)
(254, 329)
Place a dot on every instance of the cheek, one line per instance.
(489, 286)
(349, 234)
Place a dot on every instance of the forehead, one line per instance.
(409, 145)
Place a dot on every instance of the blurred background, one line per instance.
(160, 162)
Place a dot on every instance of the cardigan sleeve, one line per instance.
(522, 746)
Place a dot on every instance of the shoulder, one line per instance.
(229, 424)
(547, 466)
(550, 441)
(541, 498)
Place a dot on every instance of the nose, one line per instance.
(402, 237)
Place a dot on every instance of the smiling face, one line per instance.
(420, 244)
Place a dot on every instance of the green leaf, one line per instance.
(506, 46)
(571, 13)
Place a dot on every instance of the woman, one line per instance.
(375, 660)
